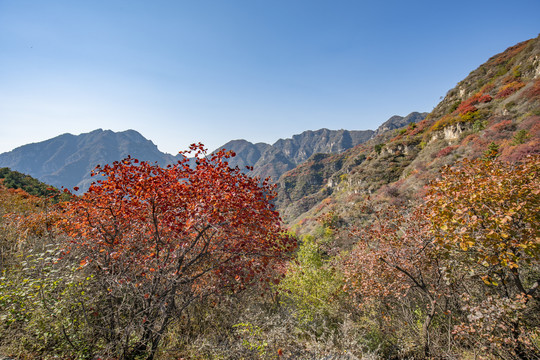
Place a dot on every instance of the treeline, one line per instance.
(15, 180)
(193, 263)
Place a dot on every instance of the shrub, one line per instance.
(484, 216)
(467, 106)
(516, 72)
(509, 89)
(479, 125)
(509, 105)
(444, 152)
(520, 137)
(534, 90)
(312, 283)
(159, 239)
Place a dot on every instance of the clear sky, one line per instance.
(184, 71)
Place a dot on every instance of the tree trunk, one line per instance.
(426, 326)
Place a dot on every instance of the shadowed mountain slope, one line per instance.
(67, 160)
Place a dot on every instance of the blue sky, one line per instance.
(216, 70)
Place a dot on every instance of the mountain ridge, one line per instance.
(67, 160)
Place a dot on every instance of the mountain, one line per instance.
(497, 106)
(67, 160)
(285, 154)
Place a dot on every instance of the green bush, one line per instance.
(520, 137)
(42, 307)
(312, 284)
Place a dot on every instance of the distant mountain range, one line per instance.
(67, 160)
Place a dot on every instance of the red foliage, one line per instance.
(420, 127)
(509, 89)
(167, 236)
(485, 98)
(514, 154)
(467, 106)
(144, 216)
(444, 152)
(505, 125)
(499, 132)
(534, 91)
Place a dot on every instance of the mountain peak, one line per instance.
(67, 160)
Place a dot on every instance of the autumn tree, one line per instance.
(392, 266)
(485, 216)
(157, 239)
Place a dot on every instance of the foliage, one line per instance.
(469, 104)
(157, 239)
(394, 260)
(510, 53)
(479, 125)
(534, 91)
(43, 306)
(485, 219)
(252, 336)
(509, 89)
(520, 137)
(16, 180)
(312, 283)
(40, 296)
(446, 151)
(378, 148)
(20, 218)
(492, 151)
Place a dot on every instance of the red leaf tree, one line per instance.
(157, 239)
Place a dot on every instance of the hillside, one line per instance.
(16, 180)
(497, 103)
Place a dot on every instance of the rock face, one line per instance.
(67, 160)
(285, 154)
